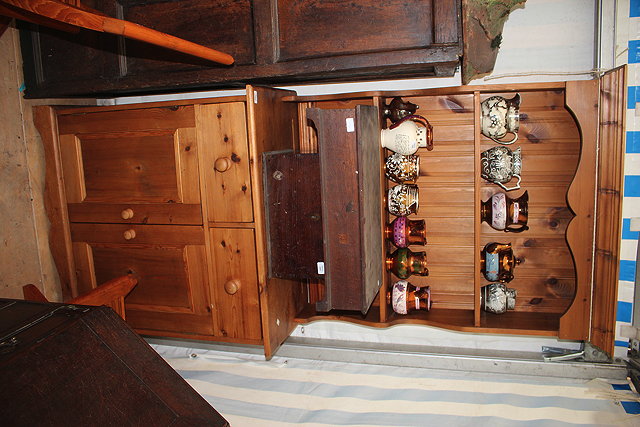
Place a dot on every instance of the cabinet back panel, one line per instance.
(550, 144)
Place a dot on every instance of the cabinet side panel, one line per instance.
(609, 208)
(55, 200)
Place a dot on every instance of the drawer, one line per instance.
(148, 213)
(235, 284)
(224, 161)
(137, 234)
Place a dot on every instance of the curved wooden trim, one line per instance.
(582, 101)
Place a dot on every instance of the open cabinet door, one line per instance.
(273, 126)
(611, 132)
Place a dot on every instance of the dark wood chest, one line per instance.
(272, 41)
(75, 365)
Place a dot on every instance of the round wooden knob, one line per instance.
(232, 286)
(127, 214)
(222, 164)
(129, 234)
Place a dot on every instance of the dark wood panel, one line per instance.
(224, 25)
(321, 28)
(293, 215)
(47, 380)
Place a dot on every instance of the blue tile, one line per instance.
(631, 97)
(621, 386)
(632, 186)
(634, 51)
(627, 270)
(624, 312)
(624, 344)
(631, 407)
(633, 142)
(634, 8)
(626, 230)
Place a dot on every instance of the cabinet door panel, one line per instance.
(225, 25)
(157, 166)
(172, 290)
(224, 161)
(234, 255)
(310, 28)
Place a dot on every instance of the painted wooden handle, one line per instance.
(129, 234)
(222, 164)
(232, 286)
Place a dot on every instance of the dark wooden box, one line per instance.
(65, 365)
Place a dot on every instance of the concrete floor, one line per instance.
(24, 250)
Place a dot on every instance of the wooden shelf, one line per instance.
(558, 137)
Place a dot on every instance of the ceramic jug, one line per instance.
(405, 297)
(497, 298)
(402, 199)
(407, 135)
(500, 116)
(398, 109)
(403, 263)
(506, 214)
(499, 165)
(497, 262)
(403, 232)
(402, 169)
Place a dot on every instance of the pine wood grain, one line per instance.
(609, 207)
(222, 134)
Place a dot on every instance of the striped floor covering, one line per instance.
(249, 391)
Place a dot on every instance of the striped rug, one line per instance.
(249, 391)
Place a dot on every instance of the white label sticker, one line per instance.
(255, 97)
(351, 127)
(320, 267)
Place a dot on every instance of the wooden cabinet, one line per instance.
(272, 41)
(192, 175)
(167, 192)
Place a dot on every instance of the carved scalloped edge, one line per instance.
(581, 99)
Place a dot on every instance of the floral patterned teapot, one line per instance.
(500, 116)
(499, 165)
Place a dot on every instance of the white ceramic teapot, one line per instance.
(406, 136)
(500, 116)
